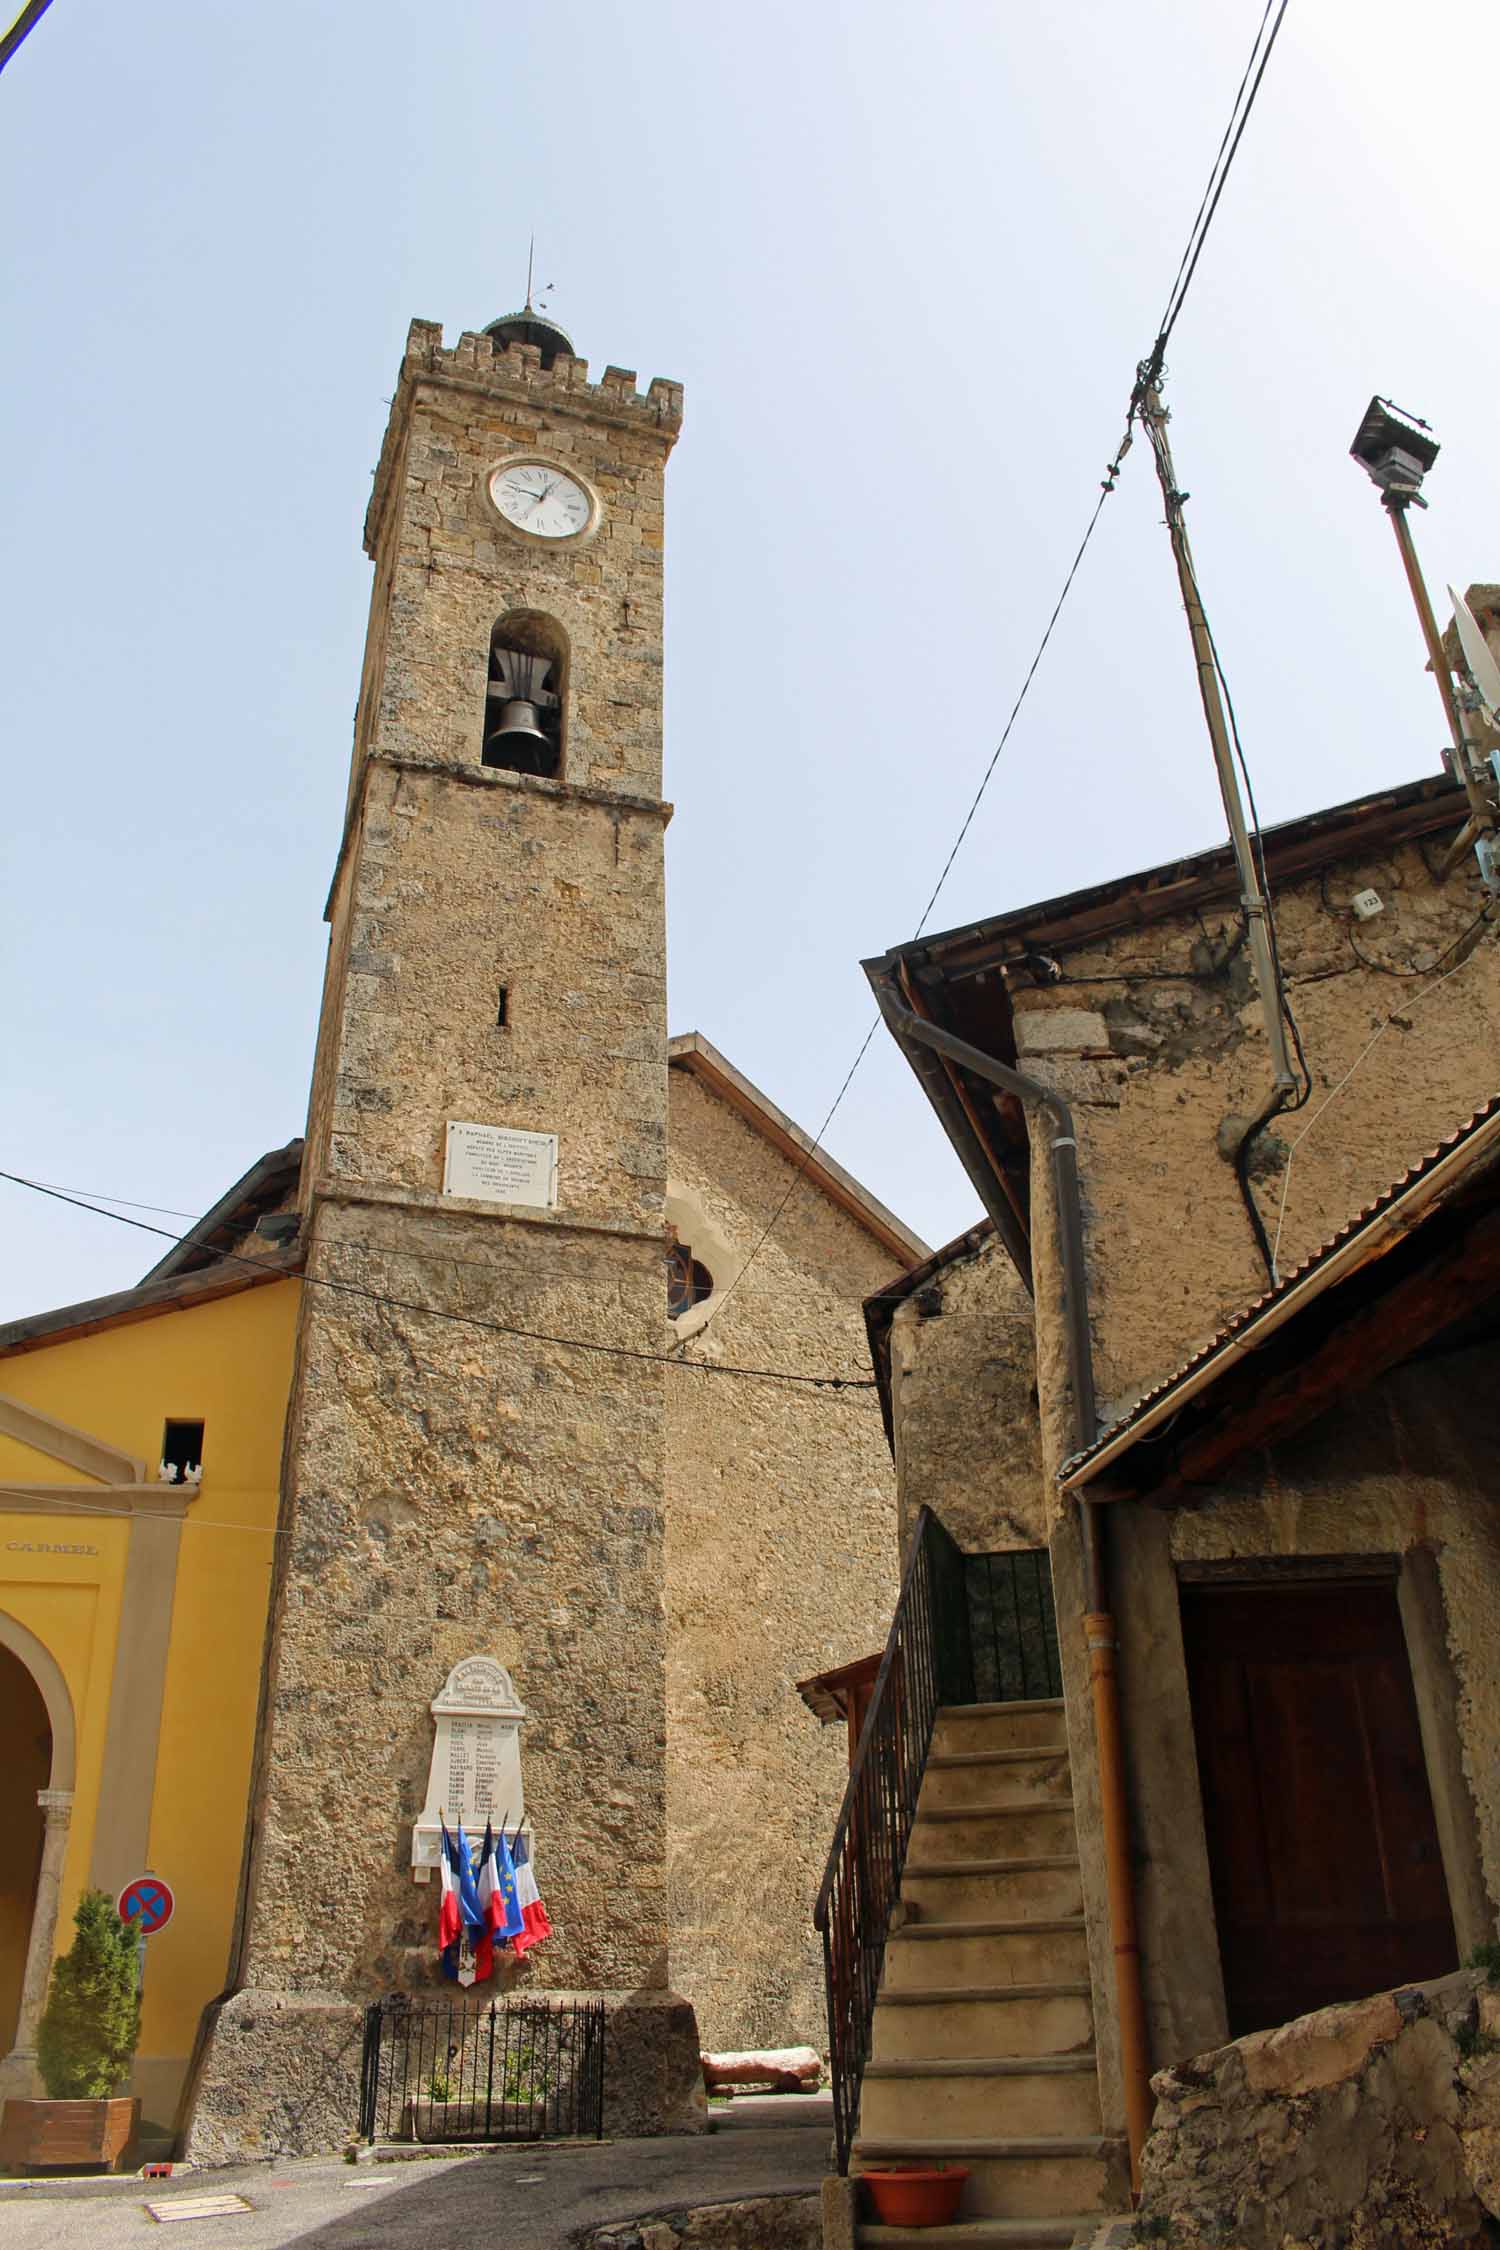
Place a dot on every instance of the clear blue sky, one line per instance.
(904, 261)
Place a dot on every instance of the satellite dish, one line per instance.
(1483, 670)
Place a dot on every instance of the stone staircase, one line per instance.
(983, 2044)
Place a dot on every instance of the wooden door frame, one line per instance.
(1419, 1603)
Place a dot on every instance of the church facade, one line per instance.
(487, 1385)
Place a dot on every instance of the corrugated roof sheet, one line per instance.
(1400, 1186)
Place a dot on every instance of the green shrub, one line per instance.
(1471, 2042)
(92, 2021)
(1487, 1957)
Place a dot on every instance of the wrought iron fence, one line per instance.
(927, 1662)
(1013, 1627)
(513, 2070)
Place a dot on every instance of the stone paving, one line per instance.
(525, 2198)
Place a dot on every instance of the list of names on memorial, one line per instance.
(501, 1164)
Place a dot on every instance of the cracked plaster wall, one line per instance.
(963, 1400)
(1154, 1069)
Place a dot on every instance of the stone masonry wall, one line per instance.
(1360, 2126)
(450, 1487)
(460, 887)
(1162, 1058)
(781, 1562)
(446, 570)
(963, 1406)
(455, 1491)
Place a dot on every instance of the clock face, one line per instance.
(541, 499)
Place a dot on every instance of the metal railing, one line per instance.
(927, 1662)
(1013, 1627)
(514, 2070)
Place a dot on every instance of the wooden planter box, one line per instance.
(36, 2135)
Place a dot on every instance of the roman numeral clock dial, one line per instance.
(539, 498)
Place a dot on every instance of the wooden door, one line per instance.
(1327, 1878)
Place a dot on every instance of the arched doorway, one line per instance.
(36, 1803)
(25, 1771)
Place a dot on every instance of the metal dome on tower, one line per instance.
(531, 326)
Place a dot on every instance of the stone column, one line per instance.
(18, 2071)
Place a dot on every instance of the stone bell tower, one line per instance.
(483, 1196)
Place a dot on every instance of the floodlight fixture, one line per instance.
(1395, 451)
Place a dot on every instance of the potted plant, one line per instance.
(916, 2195)
(85, 2044)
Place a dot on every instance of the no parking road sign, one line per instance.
(150, 1898)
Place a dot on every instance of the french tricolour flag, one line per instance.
(460, 1920)
(535, 1924)
(497, 1889)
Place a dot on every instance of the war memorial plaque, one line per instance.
(501, 1164)
(475, 1774)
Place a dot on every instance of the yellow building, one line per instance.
(133, 1610)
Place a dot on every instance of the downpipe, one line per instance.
(1100, 1637)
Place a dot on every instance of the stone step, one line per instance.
(1009, 2094)
(981, 2234)
(1008, 1889)
(987, 1950)
(1030, 2178)
(997, 1726)
(994, 1830)
(977, 1776)
(930, 2023)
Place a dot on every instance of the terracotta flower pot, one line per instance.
(36, 2135)
(916, 2195)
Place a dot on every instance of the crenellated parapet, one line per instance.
(514, 374)
(481, 359)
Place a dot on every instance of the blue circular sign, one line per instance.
(149, 1898)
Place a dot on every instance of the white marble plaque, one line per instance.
(475, 1773)
(501, 1164)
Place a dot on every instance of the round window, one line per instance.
(688, 1282)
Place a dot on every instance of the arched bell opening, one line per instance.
(525, 701)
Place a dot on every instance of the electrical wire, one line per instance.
(1148, 373)
(1015, 711)
(25, 22)
(1234, 131)
(461, 1319)
(1397, 1015)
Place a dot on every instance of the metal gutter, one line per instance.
(906, 1025)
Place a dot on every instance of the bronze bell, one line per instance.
(518, 734)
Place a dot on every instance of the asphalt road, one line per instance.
(517, 2199)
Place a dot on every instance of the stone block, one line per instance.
(1320, 2049)
(840, 2212)
(279, 2077)
(1042, 1031)
(653, 2079)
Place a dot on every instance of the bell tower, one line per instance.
(474, 1460)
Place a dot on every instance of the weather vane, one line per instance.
(530, 269)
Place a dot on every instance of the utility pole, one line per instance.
(1252, 897)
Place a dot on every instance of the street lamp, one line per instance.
(1395, 450)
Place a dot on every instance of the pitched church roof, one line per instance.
(690, 1051)
(199, 1267)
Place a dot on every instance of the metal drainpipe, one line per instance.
(1100, 1637)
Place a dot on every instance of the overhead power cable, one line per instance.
(1148, 373)
(26, 21)
(1015, 712)
(1234, 131)
(446, 1313)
